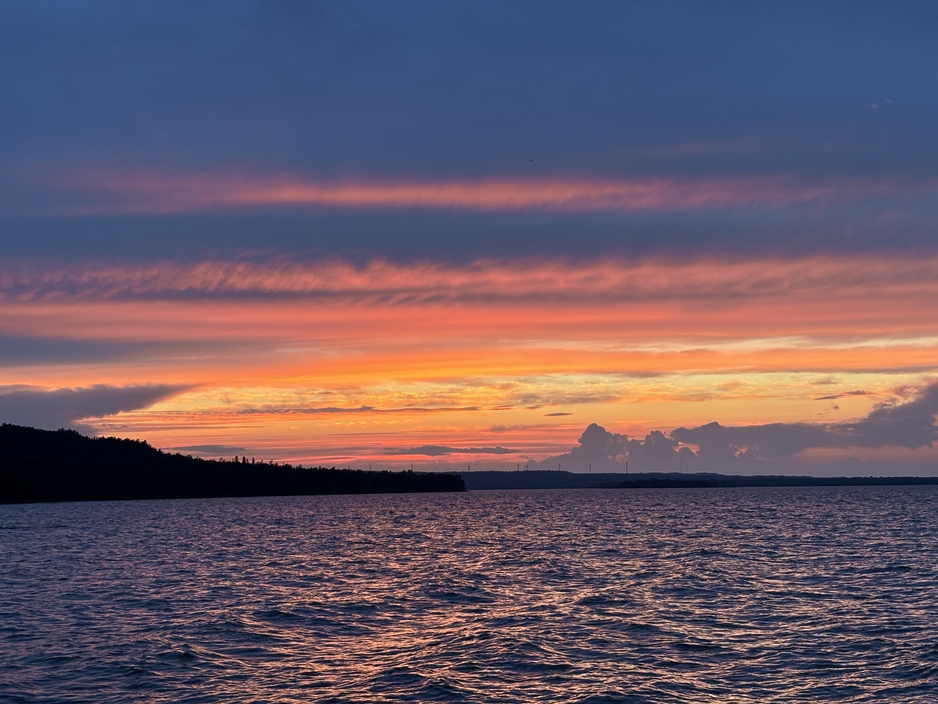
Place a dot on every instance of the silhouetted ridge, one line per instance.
(63, 465)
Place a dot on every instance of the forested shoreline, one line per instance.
(63, 465)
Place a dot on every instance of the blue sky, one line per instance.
(815, 93)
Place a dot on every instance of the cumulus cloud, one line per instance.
(599, 448)
(909, 423)
(62, 408)
(608, 452)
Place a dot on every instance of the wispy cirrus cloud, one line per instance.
(386, 281)
(845, 394)
(337, 410)
(442, 450)
(113, 191)
(512, 318)
(212, 450)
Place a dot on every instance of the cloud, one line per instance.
(112, 191)
(213, 450)
(326, 410)
(844, 394)
(439, 450)
(501, 428)
(877, 106)
(910, 424)
(598, 447)
(493, 280)
(383, 111)
(20, 350)
(553, 415)
(60, 408)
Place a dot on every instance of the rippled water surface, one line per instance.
(717, 595)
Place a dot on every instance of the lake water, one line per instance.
(721, 595)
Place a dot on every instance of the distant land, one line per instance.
(556, 479)
(63, 465)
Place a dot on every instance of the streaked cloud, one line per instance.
(67, 407)
(330, 410)
(442, 450)
(844, 394)
(385, 281)
(211, 450)
(523, 318)
(143, 191)
(468, 222)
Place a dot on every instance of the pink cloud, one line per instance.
(112, 190)
(601, 282)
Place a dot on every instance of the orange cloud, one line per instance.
(279, 354)
(491, 318)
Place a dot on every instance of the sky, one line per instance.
(487, 235)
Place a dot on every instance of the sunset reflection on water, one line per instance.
(654, 595)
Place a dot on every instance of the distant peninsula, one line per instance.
(556, 479)
(63, 465)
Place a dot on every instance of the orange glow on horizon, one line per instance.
(287, 356)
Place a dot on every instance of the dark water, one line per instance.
(805, 594)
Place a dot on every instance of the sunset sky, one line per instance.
(459, 234)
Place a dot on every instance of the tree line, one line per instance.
(64, 465)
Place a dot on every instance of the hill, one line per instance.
(63, 465)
